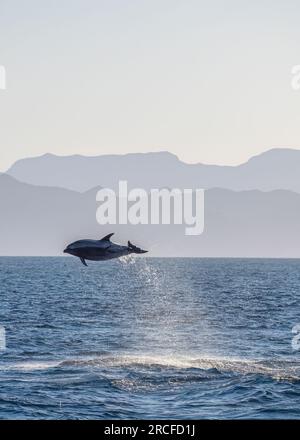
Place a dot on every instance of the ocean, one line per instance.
(144, 338)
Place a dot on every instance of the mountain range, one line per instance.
(274, 169)
(251, 210)
(41, 221)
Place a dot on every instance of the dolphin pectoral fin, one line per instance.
(107, 237)
(83, 261)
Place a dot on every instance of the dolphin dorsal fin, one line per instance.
(107, 237)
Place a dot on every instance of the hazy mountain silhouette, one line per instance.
(41, 221)
(274, 169)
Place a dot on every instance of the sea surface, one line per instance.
(148, 338)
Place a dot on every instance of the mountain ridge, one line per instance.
(273, 169)
(41, 221)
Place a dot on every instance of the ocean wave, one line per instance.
(276, 369)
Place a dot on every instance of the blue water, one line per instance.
(149, 338)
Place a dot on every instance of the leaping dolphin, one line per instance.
(99, 250)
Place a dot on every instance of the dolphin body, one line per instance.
(100, 250)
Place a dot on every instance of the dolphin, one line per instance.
(100, 250)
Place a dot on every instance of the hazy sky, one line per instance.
(207, 80)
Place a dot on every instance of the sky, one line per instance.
(209, 81)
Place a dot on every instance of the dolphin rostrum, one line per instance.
(99, 250)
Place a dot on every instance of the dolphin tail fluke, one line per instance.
(83, 261)
(136, 249)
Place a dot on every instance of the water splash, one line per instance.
(164, 318)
